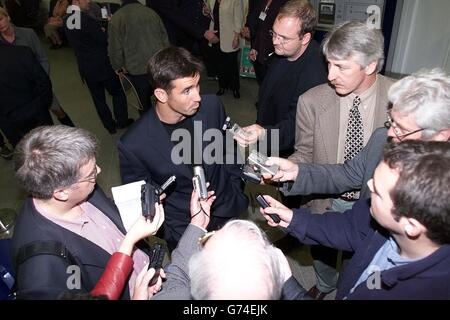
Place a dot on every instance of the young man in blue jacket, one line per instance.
(401, 240)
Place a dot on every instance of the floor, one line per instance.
(75, 99)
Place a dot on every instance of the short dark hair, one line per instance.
(422, 191)
(302, 10)
(170, 64)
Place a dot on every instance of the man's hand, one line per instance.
(253, 54)
(287, 170)
(120, 71)
(201, 209)
(278, 208)
(249, 135)
(211, 36)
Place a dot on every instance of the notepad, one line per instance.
(127, 198)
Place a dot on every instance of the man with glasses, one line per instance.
(297, 67)
(57, 166)
(335, 120)
(400, 239)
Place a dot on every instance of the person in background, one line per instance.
(227, 20)
(54, 25)
(135, 34)
(25, 91)
(18, 36)
(257, 28)
(90, 45)
(297, 67)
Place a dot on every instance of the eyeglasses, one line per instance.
(91, 177)
(399, 134)
(283, 39)
(203, 239)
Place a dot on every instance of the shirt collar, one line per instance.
(368, 93)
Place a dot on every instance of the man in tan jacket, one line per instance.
(335, 120)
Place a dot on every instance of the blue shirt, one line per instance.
(386, 258)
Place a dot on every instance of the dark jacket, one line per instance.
(145, 154)
(45, 276)
(278, 95)
(25, 88)
(183, 16)
(91, 49)
(355, 230)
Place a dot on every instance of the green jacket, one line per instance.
(135, 33)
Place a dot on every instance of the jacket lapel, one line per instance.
(159, 138)
(329, 123)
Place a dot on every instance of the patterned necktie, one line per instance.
(354, 140)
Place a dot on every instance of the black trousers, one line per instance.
(97, 90)
(227, 68)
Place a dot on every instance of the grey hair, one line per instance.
(426, 94)
(50, 157)
(358, 40)
(243, 257)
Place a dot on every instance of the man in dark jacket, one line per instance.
(298, 66)
(88, 39)
(25, 91)
(180, 109)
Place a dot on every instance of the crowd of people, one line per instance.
(362, 159)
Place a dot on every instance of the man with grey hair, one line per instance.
(66, 213)
(420, 111)
(235, 262)
(334, 121)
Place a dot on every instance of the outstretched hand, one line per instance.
(142, 228)
(249, 135)
(278, 208)
(287, 170)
